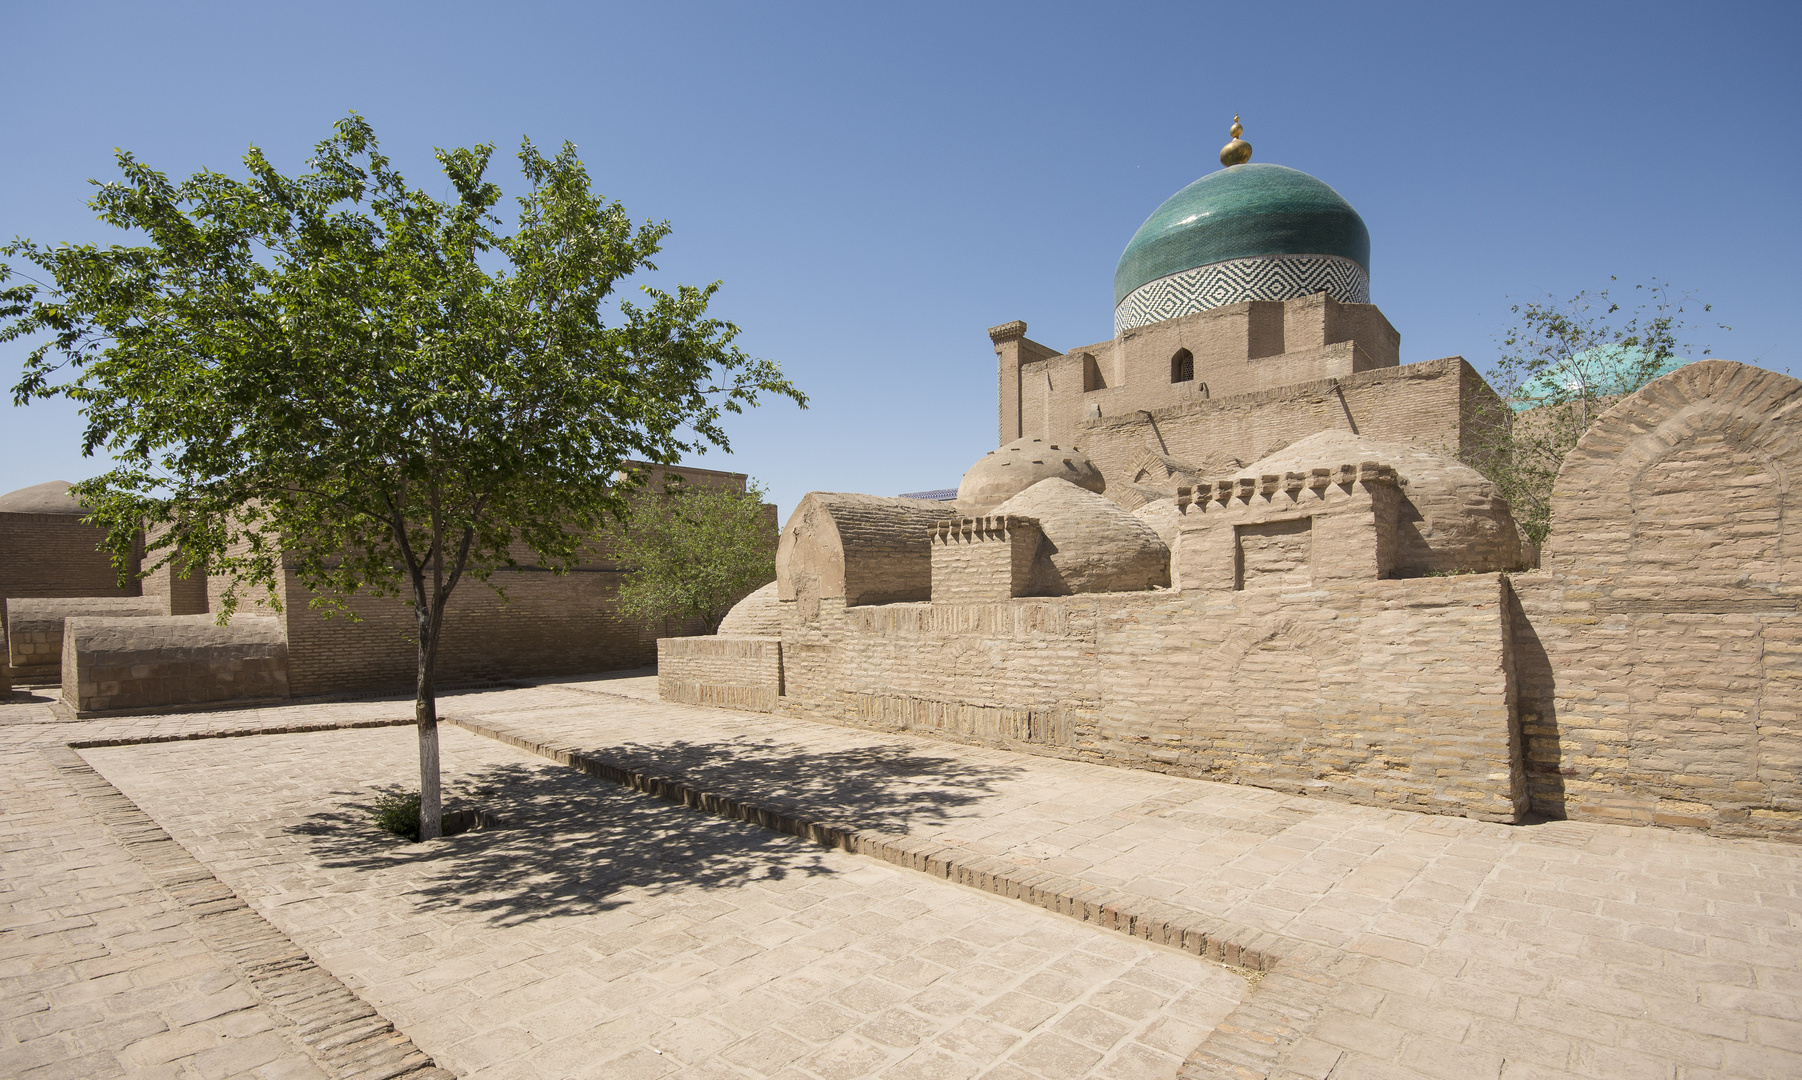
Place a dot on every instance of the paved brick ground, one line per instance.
(118, 956)
(99, 973)
(1405, 945)
(604, 933)
(1452, 948)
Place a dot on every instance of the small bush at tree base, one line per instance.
(397, 812)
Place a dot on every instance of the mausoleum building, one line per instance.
(1237, 542)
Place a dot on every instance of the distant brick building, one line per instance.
(48, 552)
(152, 645)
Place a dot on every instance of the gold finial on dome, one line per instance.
(1237, 152)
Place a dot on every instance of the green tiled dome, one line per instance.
(1242, 212)
(1604, 371)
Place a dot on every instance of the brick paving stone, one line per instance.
(581, 930)
(108, 964)
(1593, 949)
(73, 998)
(1561, 949)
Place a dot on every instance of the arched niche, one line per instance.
(1688, 486)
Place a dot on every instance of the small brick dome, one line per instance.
(757, 615)
(50, 498)
(1091, 544)
(1013, 468)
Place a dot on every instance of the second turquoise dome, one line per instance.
(1257, 219)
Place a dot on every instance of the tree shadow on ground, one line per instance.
(573, 844)
(887, 788)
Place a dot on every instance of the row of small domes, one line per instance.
(1100, 546)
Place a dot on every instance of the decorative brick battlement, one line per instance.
(977, 529)
(983, 558)
(1007, 331)
(1288, 530)
(1266, 486)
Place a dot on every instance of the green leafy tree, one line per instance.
(1561, 364)
(377, 385)
(693, 552)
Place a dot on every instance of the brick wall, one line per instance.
(1233, 351)
(1650, 673)
(1660, 650)
(1423, 403)
(178, 595)
(549, 625)
(1394, 693)
(743, 673)
(985, 558)
(1289, 532)
(123, 665)
(54, 555)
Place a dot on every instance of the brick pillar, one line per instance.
(1009, 338)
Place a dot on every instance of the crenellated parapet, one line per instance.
(987, 527)
(984, 558)
(1288, 530)
(1270, 486)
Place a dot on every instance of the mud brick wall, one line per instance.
(113, 665)
(34, 626)
(1393, 693)
(178, 595)
(251, 600)
(1290, 531)
(743, 673)
(547, 624)
(550, 625)
(1237, 349)
(1660, 650)
(985, 558)
(1426, 404)
(54, 555)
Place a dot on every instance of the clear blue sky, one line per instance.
(877, 186)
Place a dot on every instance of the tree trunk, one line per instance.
(425, 713)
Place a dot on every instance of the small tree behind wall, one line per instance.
(340, 376)
(1561, 365)
(692, 552)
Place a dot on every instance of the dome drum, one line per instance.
(1266, 277)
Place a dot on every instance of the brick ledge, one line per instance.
(1249, 1044)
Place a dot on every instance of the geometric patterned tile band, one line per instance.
(1267, 277)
